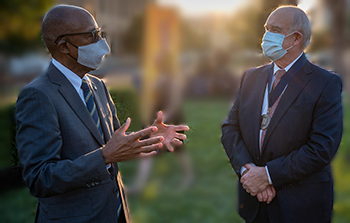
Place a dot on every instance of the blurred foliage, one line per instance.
(127, 104)
(17, 206)
(341, 166)
(21, 24)
(8, 151)
(192, 39)
(245, 27)
(132, 38)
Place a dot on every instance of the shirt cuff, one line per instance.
(268, 175)
(108, 166)
(244, 169)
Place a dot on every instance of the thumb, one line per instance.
(248, 166)
(160, 117)
(125, 126)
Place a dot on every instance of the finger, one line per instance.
(264, 195)
(181, 128)
(177, 142)
(159, 117)
(259, 196)
(248, 166)
(180, 136)
(150, 141)
(169, 147)
(150, 148)
(125, 126)
(143, 132)
(244, 179)
(269, 195)
(148, 154)
(273, 191)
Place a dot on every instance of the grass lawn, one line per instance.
(211, 198)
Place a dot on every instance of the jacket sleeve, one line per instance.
(39, 144)
(324, 140)
(232, 137)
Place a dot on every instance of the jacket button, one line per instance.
(115, 190)
(97, 183)
(257, 158)
(93, 184)
(88, 185)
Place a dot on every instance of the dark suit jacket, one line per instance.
(301, 140)
(59, 147)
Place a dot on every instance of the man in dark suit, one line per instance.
(69, 139)
(284, 129)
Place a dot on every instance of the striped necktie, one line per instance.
(279, 74)
(90, 104)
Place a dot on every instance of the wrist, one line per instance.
(268, 175)
(105, 155)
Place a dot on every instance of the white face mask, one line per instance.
(91, 55)
(272, 45)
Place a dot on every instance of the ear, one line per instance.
(62, 46)
(298, 38)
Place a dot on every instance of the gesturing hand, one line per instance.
(123, 147)
(169, 132)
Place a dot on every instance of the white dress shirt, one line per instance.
(73, 78)
(265, 105)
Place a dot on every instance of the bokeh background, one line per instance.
(204, 47)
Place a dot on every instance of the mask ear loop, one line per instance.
(69, 53)
(290, 35)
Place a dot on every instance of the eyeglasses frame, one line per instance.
(94, 34)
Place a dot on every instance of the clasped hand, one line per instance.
(255, 182)
(122, 147)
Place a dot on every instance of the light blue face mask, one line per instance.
(272, 45)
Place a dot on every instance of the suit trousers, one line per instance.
(262, 216)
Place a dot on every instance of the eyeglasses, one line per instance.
(96, 34)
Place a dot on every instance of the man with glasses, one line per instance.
(69, 139)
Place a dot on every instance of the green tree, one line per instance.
(21, 23)
(132, 38)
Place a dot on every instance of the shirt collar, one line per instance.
(74, 79)
(276, 68)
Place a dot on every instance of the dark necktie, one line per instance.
(90, 104)
(279, 74)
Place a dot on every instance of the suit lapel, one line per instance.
(293, 90)
(70, 95)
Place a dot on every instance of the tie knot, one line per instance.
(280, 73)
(84, 85)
